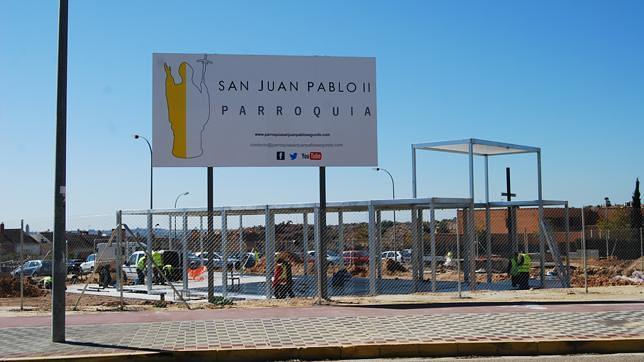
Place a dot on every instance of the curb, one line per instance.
(439, 349)
(475, 303)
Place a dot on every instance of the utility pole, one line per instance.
(59, 267)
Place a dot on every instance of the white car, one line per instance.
(393, 255)
(88, 265)
(330, 257)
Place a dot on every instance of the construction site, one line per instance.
(420, 246)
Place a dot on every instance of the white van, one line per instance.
(129, 269)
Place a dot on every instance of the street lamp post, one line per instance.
(393, 196)
(136, 137)
(175, 218)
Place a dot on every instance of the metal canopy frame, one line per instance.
(481, 147)
(372, 207)
(345, 206)
(485, 148)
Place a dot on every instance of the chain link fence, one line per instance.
(359, 249)
(607, 247)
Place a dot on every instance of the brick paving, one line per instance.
(349, 329)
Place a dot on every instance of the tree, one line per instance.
(636, 207)
(617, 220)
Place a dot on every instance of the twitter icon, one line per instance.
(293, 155)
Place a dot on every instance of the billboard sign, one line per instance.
(255, 110)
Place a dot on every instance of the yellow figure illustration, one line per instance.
(188, 109)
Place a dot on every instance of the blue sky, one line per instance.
(567, 76)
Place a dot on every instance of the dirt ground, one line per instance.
(601, 284)
(90, 303)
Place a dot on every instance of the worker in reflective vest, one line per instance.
(519, 270)
(140, 270)
(280, 280)
(157, 260)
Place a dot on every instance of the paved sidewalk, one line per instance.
(290, 329)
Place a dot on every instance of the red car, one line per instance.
(356, 257)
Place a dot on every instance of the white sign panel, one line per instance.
(241, 110)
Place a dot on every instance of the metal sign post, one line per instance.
(321, 255)
(210, 264)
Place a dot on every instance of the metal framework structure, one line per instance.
(477, 147)
(372, 207)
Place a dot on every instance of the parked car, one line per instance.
(73, 266)
(427, 259)
(219, 262)
(331, 257)
(88, 265)
(33, 268)
(356, 257)
(393, 255)
(194, 260)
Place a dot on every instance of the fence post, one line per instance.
(270, 250)
(184, 256)
(170, 232)
(379, 243)
(458, 257)
(241, 241)
(583, 245)
(22, 272)
(542, 240)
(415, 250)
(488, 241)
(421, 247)
(305, 241)
(148, 259)
(470, 250)
(432, 240)
(224, 254)
(341, 238)
(317, 247)
(373, 269)
(119, 257)
(567, 212)
(200, 240)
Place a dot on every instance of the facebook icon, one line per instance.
(281, 155)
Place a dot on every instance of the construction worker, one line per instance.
(46, 282)
(167, 271)
(255, 256)
(519, 270)
(280, 280)
(157, 259)
(140, 270)
(449, 260)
